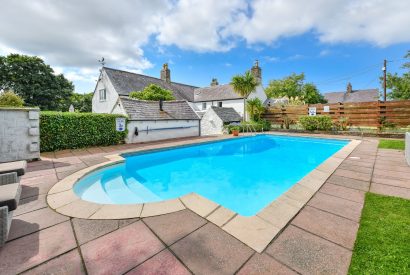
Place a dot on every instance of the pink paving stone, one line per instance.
(350, 183)
(328, 226)
(353, 175)
(389, 190)
(35, 190)
(33, 221)
(163, 263)
(95, 150)
(30, 204)
(66, 161)
(71, 167)
(309, 254)
(46, 179)
(404, 183)
(343, 192)
(43, 166)
(69, 263)
(174, 226)
(348, 209)
(121, 250)
(38, 173)
(264, 264)
(21, 254)
(210, 250)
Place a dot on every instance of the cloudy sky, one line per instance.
(331, 41)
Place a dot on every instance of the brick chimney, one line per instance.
(165, 73)
(257, 72)
(349, 88)
(214, 82)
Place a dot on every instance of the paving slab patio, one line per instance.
(318, 240)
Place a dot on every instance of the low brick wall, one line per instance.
(407, 149)
(19, 134)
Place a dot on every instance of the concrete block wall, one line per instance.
(407, 149)
(19, 134)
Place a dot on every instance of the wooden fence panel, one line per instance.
(358, 114)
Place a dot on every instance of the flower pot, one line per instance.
(235, 133)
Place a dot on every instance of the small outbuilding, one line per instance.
(157, 120)
(215, 118)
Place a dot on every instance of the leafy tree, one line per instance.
(255, 108)
(244, 85)
(10, 99)
(399, 86)
(311, 94)
(153, 92)
(293, 86)
(35, 81)
(81, 102)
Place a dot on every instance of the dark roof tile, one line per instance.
(227, 114)
(368, 95)
(126, 82)
(149, 110)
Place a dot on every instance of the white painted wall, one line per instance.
(153, 135)
(211, 124)
(237, 104)
(106, 106)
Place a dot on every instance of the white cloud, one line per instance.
(77, 33)
(378, 22)
(200, 25)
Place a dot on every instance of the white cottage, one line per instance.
(114, 83)
(153, 120)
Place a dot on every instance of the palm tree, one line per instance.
(255, 108)
(244, 85)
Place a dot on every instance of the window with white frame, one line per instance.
(103, 95)
(203, 105)
(220, 104)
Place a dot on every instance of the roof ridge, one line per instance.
(172, 82)
(151, 101)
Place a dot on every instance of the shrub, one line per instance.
(60, 131)
(312, 123)
(10, 99)
(250, 126)
(342, 123)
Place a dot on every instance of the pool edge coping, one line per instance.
(255, 231)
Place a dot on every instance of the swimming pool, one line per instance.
(243, 174)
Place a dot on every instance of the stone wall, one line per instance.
(19, 134)
(407, 149)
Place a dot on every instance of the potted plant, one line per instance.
(235, 131)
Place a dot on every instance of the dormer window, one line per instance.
(103, 95)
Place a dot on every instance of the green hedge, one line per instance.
(60, 131)
(312, 123)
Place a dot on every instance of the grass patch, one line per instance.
(391, 144)
(382, 244)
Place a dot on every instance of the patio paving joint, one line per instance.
(307, 231)
(333, 195)
(230, 219)
(168, 247)
(78, 245)
(317, 208)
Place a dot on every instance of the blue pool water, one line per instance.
(243, 174)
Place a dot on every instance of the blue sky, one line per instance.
(332, 42)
